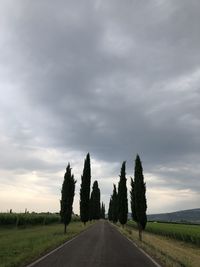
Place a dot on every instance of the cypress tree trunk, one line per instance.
(140, 232)
(65, 229)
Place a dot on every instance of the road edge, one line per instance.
(133, 243)
(59, 247)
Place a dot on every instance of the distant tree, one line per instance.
(115, 208)
(85, 191)
(67, 197)
(95, 205)
(139, 204)
(102, 211)
(122, 196)
(110, 215)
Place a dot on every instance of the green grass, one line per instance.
(182, 232)
(21, 246)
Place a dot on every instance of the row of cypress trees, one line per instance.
(118, 206)
(85, 191)
(90, 204)
(90, 207)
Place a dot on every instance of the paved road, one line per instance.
(100, 246)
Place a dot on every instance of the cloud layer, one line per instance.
(112, 78)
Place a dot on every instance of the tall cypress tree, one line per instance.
(102, 211)
(122, 196)
(115, 208)
(132, 194)
(85, 191)
(139, 189)
(110, 215)
(67, 197)
(90, 209)
(95, 205)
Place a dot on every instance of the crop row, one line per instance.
(186, 233)
(22, 219)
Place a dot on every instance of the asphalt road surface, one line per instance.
(99, 246)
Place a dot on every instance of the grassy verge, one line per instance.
(19, 247)
(168, 252)
(183, 232)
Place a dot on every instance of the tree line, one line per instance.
(118, 205)
(91, 207)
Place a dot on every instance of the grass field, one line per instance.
(166, 251)
(21, 246)
(182, 232)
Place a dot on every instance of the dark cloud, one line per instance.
(113, 78)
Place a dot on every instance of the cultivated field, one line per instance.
(171, 244)
(24, 219)
(183, 232)
(34, 235)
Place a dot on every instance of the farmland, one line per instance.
(25, 219)
(19, 245)
(182, 232)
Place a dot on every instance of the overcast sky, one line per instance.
(113, 78)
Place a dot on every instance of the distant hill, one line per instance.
(190, 216)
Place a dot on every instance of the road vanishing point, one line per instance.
(99, 246)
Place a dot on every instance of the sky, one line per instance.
(113, 78)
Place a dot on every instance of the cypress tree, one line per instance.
(122, 196)
(95, 205)
(67, 197)
(102, 211)
(132, 194)
(85, 191)
(115, 208)
(110, 215)
(139, 189)
(90, 209)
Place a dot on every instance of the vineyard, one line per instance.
(23, 219)
(183, 232)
